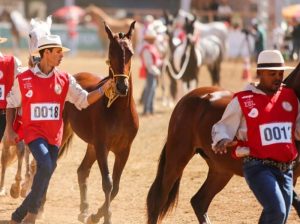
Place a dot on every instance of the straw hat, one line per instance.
(271, 60)
(49, 41)
(2, 40)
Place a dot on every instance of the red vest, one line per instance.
(42, 105)
(155, 57)
(270, 124)
(7, 67)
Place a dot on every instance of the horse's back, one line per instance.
(197, 112)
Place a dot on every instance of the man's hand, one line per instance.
(221, 146)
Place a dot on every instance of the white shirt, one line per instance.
(233, 122)
(75, 94)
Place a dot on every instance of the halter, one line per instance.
(110, 92)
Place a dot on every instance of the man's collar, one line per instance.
(36, 70)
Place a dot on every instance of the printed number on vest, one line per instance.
(276, 133)
(44, 111)
(1, 92)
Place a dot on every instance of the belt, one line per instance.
(283, 167)
(2, 111)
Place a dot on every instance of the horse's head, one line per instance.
(38, 29)
(119, 58)
(189, 25)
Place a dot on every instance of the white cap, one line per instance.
(49, 41)
(271, 60)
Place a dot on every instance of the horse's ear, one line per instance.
(129, 33)
(108, 31)
(49, 21)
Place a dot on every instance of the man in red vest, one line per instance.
(41, 92)
(264, 118)
(8, 71)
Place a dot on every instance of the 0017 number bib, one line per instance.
(2, 89)
(273, 133)
(44, 111)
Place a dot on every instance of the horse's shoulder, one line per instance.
(88, 80)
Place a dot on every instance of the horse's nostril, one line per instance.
(122, 88)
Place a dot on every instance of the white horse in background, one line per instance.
(38, 29)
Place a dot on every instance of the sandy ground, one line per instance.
(235, 204)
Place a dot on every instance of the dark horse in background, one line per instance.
(189, 133)
(186, 60)
(109, 125)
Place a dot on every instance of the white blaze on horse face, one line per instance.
(214, 96)
(38, 29)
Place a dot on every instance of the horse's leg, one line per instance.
(296, 199)
(28, 175)
(15, 187)
(7, 156)
(213, 184)
(120, 161)
(107, 185)
(83, 173)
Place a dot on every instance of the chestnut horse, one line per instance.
(189, 133)
(109, 125)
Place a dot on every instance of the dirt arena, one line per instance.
(234, 205)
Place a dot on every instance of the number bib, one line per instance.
(280, 132)
(2, 89)
(44, 111)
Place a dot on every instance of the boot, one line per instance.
(29, 218)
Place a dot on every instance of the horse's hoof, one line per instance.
(2, 192)
(82, 217)
(90, 221)
(23, 193)
(15, 190)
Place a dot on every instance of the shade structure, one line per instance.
(291, 12)
(69, 12)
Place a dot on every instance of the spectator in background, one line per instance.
(151, 64)
(224, 11)
(295, 40)
(72, 28)
(146, 22)
(213, 7)
(260, 37)
(9, 69)
(277, 37)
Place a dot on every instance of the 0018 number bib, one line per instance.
(273, 133)
(2, 89)
(44, 111)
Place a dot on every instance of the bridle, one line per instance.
(111, 92)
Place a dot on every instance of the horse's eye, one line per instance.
(29, 35)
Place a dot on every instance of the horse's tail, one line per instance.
(67, 136)
(156, 211)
